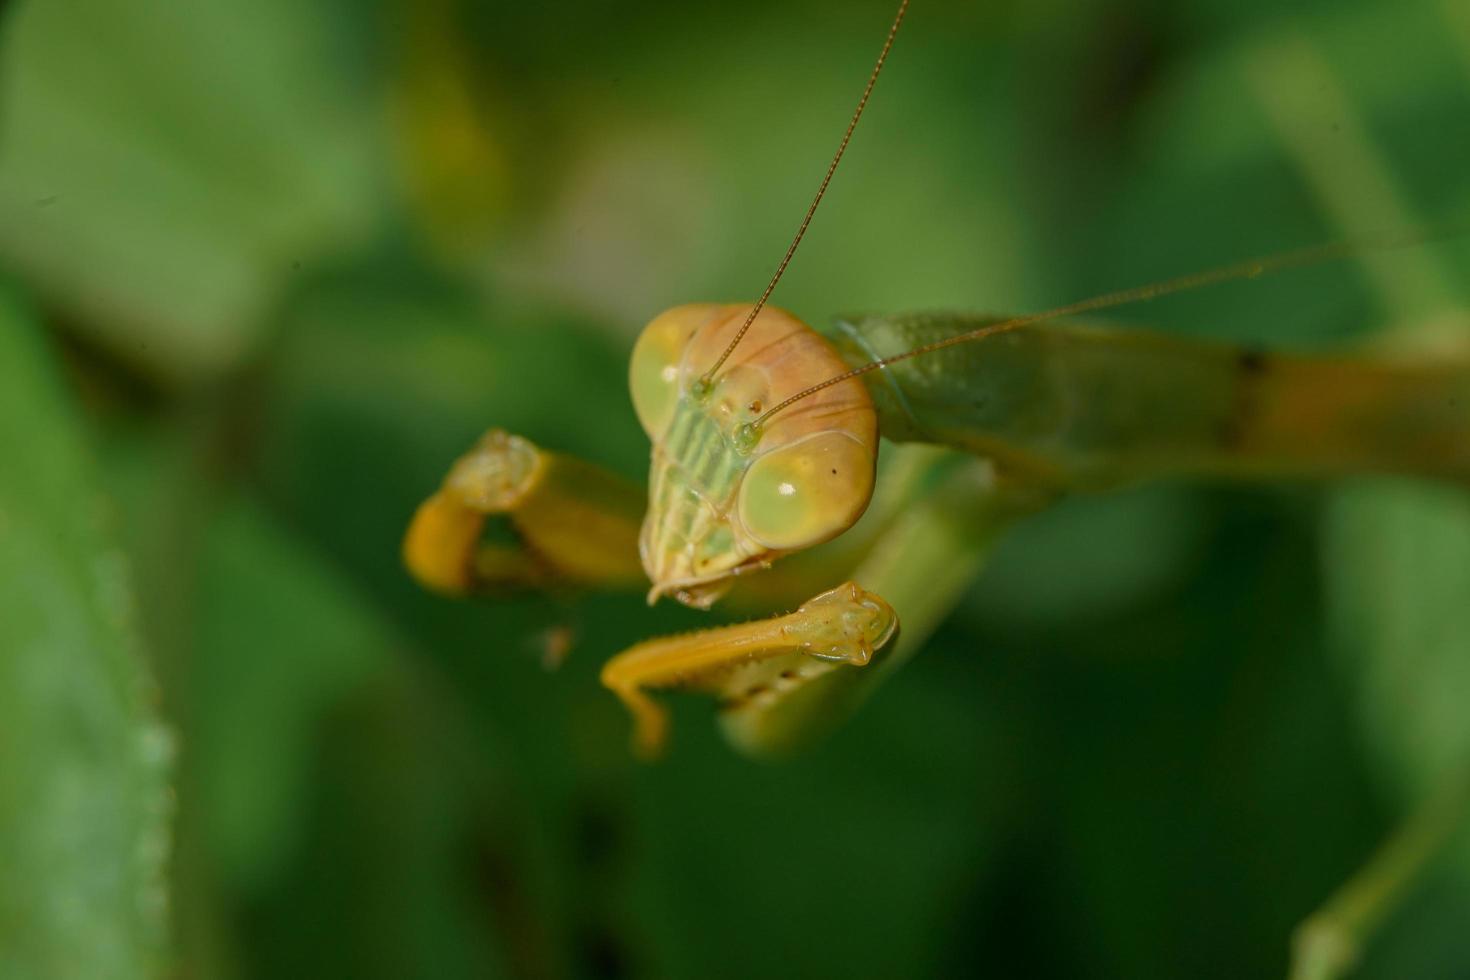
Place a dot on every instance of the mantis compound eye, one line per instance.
(808, 491)
(654, 372)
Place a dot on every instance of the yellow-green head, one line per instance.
(720, 502)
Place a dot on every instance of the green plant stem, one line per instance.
(1327, 944)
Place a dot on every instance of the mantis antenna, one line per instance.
(1249, 269)
(708, 376)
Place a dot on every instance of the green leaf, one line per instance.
(166, 168)
(324, 763)
(279, 640)
(83, 758)
(1398, 576)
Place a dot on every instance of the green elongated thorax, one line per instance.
(1074, 406)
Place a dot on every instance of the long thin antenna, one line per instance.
(1249, 269)
(857, 114)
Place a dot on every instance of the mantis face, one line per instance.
(721, 503)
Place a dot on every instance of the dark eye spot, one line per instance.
(755, 406)
(834, 472)
(1251, 360)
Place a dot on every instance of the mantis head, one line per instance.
(728, 494)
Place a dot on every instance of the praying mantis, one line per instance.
(766, 436)
(779, 457)
(860, 473)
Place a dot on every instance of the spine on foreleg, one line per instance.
(1077, 407)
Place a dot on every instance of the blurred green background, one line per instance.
(267, 267)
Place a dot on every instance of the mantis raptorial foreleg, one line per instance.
(923, 562)
(783, 680)
(574, 523)
(844, 625)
